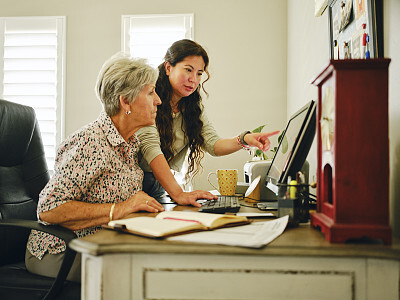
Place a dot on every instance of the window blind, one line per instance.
(32, 61)
(149, 36)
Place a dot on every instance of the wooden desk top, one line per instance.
(300, 241)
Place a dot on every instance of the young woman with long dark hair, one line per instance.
(182, 127)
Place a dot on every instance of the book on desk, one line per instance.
(175, 222)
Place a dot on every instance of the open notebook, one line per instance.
(169, 223)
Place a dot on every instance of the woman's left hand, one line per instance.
(259, 140)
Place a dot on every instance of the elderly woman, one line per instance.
(97, 177)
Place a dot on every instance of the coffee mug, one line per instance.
(227, 181)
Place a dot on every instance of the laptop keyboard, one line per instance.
(221, 205)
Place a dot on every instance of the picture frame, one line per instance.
(347, 37)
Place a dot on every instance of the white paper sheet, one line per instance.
(254, 235)
(256, 214)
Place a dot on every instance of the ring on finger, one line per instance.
(147, 202)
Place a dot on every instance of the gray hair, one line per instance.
(122, 75)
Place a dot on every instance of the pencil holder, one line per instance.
(293, 200)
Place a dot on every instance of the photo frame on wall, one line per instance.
(355, 29)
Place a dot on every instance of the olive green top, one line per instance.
(150, 142)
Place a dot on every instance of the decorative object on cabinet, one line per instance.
(355, 25)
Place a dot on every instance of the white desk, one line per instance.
(300, 264)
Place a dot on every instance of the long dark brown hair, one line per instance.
(190, 107)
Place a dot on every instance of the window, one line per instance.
(32, 51)
(149, 36)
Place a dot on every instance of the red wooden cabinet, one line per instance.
(353, 151)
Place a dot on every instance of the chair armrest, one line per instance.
(58, 231)
(61, 232)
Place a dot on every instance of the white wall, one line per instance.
(248, 65)
(308, 53)
(392, 50)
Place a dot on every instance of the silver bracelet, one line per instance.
(241, 138)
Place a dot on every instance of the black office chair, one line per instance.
(23, 174)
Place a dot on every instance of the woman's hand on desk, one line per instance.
(138, 202)
(190, 198)
(76, 215)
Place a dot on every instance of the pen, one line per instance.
(287, 194)
(293, 189)
(367, 54)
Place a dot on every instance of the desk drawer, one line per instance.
(239, 277)
(246, 284)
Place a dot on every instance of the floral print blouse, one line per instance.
(94, 165)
